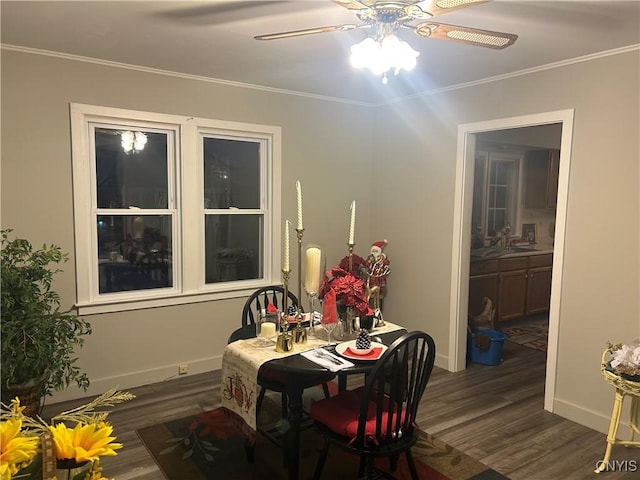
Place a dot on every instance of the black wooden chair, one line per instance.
(378, 419)
(269, 379)
(262, 297)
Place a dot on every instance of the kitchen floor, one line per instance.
(531, 331)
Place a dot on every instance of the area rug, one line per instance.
(210, 446)
(532, 334)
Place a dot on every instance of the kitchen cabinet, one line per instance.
(483, 282)
(512, 291)
(518, 285)
(539, 284)
(541, 178)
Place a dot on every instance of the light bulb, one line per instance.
(381, 56)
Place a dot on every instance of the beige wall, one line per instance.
(326, 145)
(398, 164)
(600, 280)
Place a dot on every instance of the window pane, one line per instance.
(134, 252)
(499, 219)
(234, 248)
(501, 197)
(231, 173)
(138, 178)
(502, 173)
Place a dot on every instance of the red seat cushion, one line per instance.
(340, 414)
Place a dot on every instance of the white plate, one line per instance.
(343, 349)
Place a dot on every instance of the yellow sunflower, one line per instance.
(17, 450)
(84, 442)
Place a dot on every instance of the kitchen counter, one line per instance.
(487, 253)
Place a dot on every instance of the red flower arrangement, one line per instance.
(358, 265)
(347, 285)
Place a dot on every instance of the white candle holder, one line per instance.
(312, 279)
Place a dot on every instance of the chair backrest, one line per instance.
(395, 386)
(259, 300)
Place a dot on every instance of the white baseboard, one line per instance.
(594, 420)
(129, 380)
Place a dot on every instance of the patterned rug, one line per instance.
(532, 333)
(209, 446)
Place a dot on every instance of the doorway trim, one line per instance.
(462, 236)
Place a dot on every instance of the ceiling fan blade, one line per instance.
(309, 31)
(352, 4)
(438, 7)
(469, 36)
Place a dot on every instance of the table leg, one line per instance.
(613, 431)
(342, 383)
(633, 423)
(293, 434)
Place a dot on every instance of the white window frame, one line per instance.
(188, 235)
(516, 183)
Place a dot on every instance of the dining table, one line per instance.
(243, 358)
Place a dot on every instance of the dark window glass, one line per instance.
(231, 173)
(234, 248)
(138, 178)
(134, 252)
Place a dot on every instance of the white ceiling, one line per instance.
(215, 39)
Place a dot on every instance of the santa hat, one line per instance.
(380, 245)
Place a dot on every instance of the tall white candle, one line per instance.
(312, 270)
(299, 204)
(286, 246)
(352, 225)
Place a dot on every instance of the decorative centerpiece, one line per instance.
(349, 289)
(625, 360)
(32, 449)
(377, 270)
(363, 342)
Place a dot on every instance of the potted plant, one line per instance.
(37, 339)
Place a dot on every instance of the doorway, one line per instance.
(467, 137)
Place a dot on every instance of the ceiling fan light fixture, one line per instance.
(132, 141)
(381, 56)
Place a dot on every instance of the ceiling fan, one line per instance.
(385, 17)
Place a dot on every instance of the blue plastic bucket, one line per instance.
(490, 356)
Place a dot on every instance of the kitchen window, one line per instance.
(496, 198)
(172, 209)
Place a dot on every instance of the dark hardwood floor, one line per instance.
(493, 413)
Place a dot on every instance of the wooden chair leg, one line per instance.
(361, 467)
(393, 463)
(325, 389)
(321, 460)
(369, 470)
(412, 465)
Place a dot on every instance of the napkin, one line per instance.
(326, 359)
(374, 353)
(329, 309)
